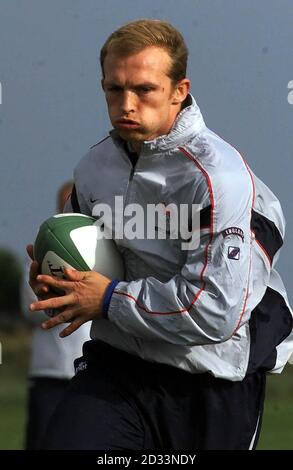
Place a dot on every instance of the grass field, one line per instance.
(277, 430)
(15, 352)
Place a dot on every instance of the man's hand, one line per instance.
(40, 289)
(82, 301)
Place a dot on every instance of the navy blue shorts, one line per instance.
(119, 401)
(44, 394)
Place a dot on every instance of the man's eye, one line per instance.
(115, 89)
(145, 89)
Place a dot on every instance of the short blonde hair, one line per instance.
(137, 35)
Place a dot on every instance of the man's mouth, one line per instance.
(127, 124)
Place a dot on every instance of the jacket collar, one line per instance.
(188, 124)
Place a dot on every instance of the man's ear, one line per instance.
(181, 91)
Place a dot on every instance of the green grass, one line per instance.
(15, 353)
(277, 430)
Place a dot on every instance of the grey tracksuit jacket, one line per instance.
(219, 308)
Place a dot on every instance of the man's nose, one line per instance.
(128, 102)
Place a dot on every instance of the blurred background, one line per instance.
(52, 110)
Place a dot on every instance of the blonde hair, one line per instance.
(137, 35)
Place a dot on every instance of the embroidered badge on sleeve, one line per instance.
(233, 231)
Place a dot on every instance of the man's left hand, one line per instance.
(81, 302)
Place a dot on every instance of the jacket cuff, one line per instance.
(107, 297)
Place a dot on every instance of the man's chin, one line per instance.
(131, 135)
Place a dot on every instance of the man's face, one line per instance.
(142, 102)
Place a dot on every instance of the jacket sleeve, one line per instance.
(206, 302)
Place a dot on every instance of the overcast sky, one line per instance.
(52, 108)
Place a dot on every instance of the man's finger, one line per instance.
(66, 316)
(38, 288)
(34, 270)
(71, 328)
(74, 275)
(53, 302)
(30, 251)
(42, 291)
(54, 282)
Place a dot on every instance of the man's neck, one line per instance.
(134, 147)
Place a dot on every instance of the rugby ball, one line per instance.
(76, 241)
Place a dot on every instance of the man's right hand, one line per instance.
(41, 290)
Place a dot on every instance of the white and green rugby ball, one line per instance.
(76, 241)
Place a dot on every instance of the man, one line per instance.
(182, 345)
(51, 362)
